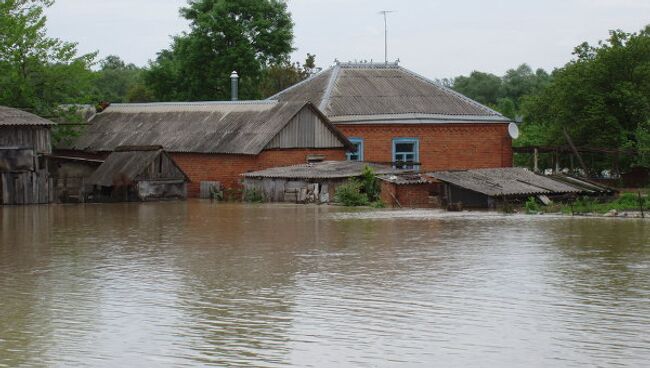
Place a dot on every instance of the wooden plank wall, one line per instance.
(29, 187)
(35, 137)
(305, 130)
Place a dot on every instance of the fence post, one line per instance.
(641, 205)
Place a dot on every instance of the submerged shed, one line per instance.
(483, 188)
(25, 139)
(313, 182)
(139, 173)
(410, 190)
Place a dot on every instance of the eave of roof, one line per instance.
(10, 116)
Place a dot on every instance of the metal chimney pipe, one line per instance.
(234, 86)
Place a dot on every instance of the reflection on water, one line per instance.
(201, 284)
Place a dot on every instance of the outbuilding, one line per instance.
(487, 188)
(410, 190)
(25, 140)
(215, 142)
(307, 183)
(137, 174)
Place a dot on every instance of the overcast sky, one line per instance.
(436, 38)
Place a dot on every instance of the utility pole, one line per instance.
(385, 13)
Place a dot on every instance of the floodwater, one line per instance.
(201, 284)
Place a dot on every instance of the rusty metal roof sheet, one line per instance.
(243, 127)
(322, 170)
(350, 92)
(13, 117)
(514, 181)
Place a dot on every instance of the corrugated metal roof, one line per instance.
(373, 90)
(125, 166)
(202, 127)
(513, 181)
(322, 170)
(10, 117)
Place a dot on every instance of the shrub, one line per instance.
(253, 196)
(349, 194)
(532, 206)
(370, 184)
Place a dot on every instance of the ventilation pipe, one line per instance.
(234, 86)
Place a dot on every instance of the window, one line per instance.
(358, 154)
(405, 153)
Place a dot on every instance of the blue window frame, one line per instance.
(406, 153)
(358, 155)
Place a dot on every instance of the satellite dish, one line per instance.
(513, 130)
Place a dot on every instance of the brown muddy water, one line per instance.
(201, 284)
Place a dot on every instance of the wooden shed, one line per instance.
(487, 188)
(307, 183)
(142, 173)
(25, 140)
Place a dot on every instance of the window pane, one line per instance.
(405, 147)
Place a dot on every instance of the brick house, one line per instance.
(395, 116)
(216, 141)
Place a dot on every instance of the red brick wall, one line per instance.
(227, 169)
(442, 146)
(409, 195)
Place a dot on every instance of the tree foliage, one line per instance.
(225, 35)
(117, 81)
(38, 73)
(505, 94)
(283, 75)
(602, 97)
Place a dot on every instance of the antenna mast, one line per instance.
(385, 13)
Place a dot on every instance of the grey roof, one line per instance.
(352, 93)
(514, 181)
(124, 165)
(322, 170)
(243, 127)
(11, 116)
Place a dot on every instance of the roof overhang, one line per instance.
(418, 119)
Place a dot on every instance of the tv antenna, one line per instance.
(385, 14)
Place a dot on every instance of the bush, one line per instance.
(253, 196)
(532, 206)
(370, 184)
(349, 194)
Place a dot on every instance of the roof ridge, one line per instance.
(336, 70)
(312, 77)
(449, 90)
(196, 103)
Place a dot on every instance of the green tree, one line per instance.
(38, 73)
(483, 87)
(225, 35)
(602, 97)
(280, 76)
(117, 81)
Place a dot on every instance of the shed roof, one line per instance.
(243, 127)
(13, 117)
(369, 92)
(514, 181)
(124, 165)
(322, 170)
(407, 179)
